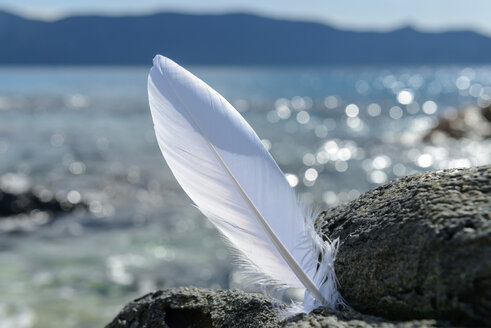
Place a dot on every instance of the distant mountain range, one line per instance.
(230, 39)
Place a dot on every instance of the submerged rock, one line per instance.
(204, 308)
(418, 247)
(24, 211)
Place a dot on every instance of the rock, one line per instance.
(486, 113)
(418, 247)
(471, 122)
(26, 210)
(194, 307)
(349, 318)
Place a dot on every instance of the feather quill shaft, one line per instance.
(207, 143)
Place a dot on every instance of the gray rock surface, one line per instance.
(349, 318)
(418, 247)
(194, 307)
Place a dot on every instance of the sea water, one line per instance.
(85, 134)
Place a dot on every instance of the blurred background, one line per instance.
(345, 95)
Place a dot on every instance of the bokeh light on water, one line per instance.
(85, 135)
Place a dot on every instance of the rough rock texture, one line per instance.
(193, 307)
(418, 247)
(349, 318)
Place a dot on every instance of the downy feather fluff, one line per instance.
(223, 167)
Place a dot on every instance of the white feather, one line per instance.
(222, 165)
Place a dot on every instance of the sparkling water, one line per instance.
(85, 134)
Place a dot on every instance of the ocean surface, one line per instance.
(85, 134)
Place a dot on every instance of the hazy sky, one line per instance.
(351, 14)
